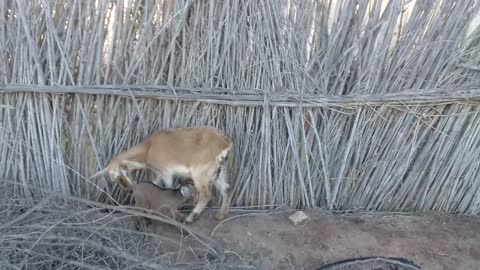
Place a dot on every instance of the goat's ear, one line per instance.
(123, 168)
(125, 186)
(128, 188)
(101, 172)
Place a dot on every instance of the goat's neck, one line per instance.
(135, 157)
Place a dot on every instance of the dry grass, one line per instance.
(249, 68)
(63, 232)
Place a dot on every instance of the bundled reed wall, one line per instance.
(345, 105)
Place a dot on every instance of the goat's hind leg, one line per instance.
(221, 184)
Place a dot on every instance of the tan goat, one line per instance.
(197, 153)
(149, 196)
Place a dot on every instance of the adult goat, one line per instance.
(197, 153)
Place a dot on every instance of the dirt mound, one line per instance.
(270, 241)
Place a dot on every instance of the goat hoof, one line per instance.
(191, 218)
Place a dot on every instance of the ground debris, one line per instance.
(298, 217)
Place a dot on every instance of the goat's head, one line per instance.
(118, 172)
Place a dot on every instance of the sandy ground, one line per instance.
(271, 241)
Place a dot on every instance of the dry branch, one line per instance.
(259, 98)
(72, 232)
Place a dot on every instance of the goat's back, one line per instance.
(186, 146)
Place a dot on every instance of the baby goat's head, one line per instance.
(117, 170)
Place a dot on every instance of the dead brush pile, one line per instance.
(69, 233)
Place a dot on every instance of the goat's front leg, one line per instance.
(203, 199)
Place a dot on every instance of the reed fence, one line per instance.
(340, 104)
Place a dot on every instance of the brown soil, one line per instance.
(271, 241)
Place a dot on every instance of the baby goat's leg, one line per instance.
(140, 220)
(221, 184)
(203, 197)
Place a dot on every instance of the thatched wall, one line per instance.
(356, 104)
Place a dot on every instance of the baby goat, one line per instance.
(150, 197)
(197, 153)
